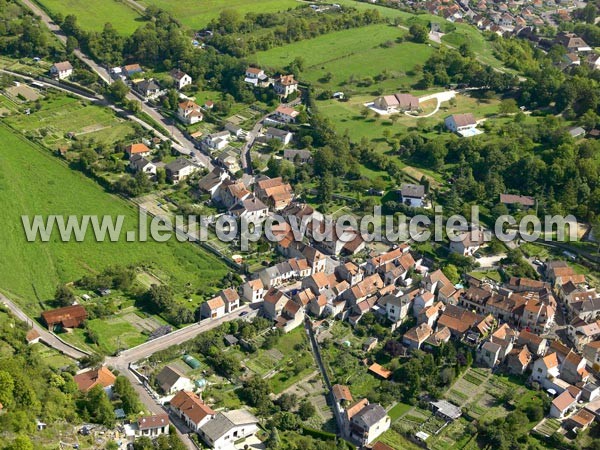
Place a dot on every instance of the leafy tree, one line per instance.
(118, 91)
(306, 410)
(7, 386)
(508, 106)
(126, 393)
(451, 271)
(419, 33)
(64, 295)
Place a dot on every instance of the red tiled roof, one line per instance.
(87, 380)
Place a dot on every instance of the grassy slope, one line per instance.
(32, 182)
(92, 16)
(356, 52)
(197, 14)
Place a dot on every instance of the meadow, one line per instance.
(197, 14)
(352, 55)
(61, 114)
(32, 182)
(92, 16)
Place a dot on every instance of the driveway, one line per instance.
(440, 97)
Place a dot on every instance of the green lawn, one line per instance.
(92, 16)
(398, 410)
(352, 54)
(113, 334)
(61, 114)
(196, 14)
(32, 182)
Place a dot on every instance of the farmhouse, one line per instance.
(87, 380)
(180, 78)
(189, 112)
(67, 317)
(61, 70)
(171, 379)
(396, 103)
(285, 85)
(412, 195)
(180, 169)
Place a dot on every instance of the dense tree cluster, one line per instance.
(22, 34)
(29, 389)
(460, 66)
(262, 31)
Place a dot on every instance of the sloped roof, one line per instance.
(341, 392)
(192, 406)
(87, 380)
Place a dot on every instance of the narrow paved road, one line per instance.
(46, 336)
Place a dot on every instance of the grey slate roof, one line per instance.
(369, 415)
(412, 190)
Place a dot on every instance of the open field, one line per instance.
(197, 14)
(60, 115)
(34, 183)
(93, 16)
(352, 54)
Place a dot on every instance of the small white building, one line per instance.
(171, 380)
(138, 163)
(148, 426)
(61, 70)
(285, 137)
(213, 308)
(180, 78)
(253, 291)
(462, 124)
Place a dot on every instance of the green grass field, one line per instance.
(33, 182)
(197, 14)
(92, 16)
(61, 114)
(113, 333)
(355, 53)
